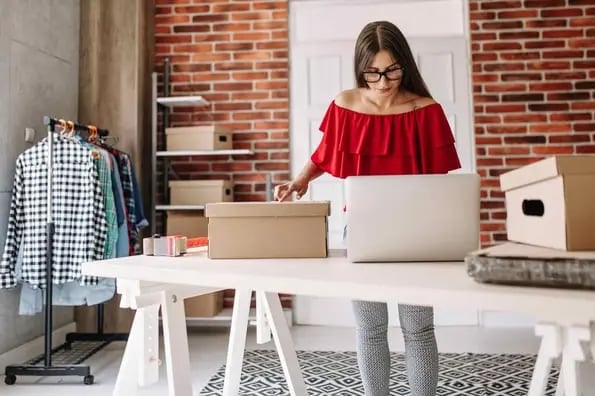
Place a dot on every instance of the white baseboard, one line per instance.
(223, 318)
(492, 319)
(34, 347)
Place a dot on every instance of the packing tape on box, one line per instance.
(148, 246)
(183, 241)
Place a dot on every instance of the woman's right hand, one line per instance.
(284, 191)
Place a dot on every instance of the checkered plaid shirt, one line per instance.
(78, 216)
(128, 188)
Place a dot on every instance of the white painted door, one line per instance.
(322, 66)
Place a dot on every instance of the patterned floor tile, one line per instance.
(331, 373)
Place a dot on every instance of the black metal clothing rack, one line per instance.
(42, 365)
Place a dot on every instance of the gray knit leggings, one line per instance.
(421, 352)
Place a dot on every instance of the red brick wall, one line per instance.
(534, 89)
(235, 54)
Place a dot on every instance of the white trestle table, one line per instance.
(565, 318)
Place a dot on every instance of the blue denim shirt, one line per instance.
(67, 294)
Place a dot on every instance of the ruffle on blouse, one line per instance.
(414, 142)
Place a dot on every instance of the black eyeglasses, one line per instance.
(392, 74)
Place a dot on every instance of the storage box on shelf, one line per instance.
(205, 306)
(192, 224)
(206, 137)
(200, 139)
(200, 192)
(550, 203)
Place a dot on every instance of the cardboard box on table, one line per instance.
(268, 229)
(551, 203)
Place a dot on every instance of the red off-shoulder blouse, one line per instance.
(419, 141)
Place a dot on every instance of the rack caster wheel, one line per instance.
(88, 380)
(10, 379)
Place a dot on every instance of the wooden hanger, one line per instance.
(93, 132)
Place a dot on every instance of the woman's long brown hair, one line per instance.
(384, 35)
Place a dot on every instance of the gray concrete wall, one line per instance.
(39, 68)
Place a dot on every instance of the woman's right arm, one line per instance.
(311, 171)
(299, 185)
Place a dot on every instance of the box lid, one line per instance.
(547, 169)
(268, 209)
(197, 129)
(197, 183)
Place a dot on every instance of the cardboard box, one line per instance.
(194, 224)
(207, 305)
(268, 229)
(209, 137)
(191, 224)
(551, 203)
(200, 192)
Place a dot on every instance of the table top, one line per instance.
(441, 284)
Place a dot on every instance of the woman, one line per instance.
(388, 125)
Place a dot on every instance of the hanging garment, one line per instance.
(117, 191)
(125, 169)
(104, 167)
(77, 209)
(73, 293)
(104, 170)
(123, 242)
(66, 294)
(141, 219)
(128, 186)
(121, 238)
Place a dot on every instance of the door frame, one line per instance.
(298, 151)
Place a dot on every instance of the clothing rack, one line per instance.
(42, 365)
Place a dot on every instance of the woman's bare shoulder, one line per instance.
(349, 98)
(420, 101)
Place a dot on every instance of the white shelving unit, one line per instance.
(223, 319)
(164, 105)
(196, 153)
(171, 101)
(179, 207)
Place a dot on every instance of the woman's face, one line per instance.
(384, 74)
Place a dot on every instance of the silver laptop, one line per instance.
(412, 217)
